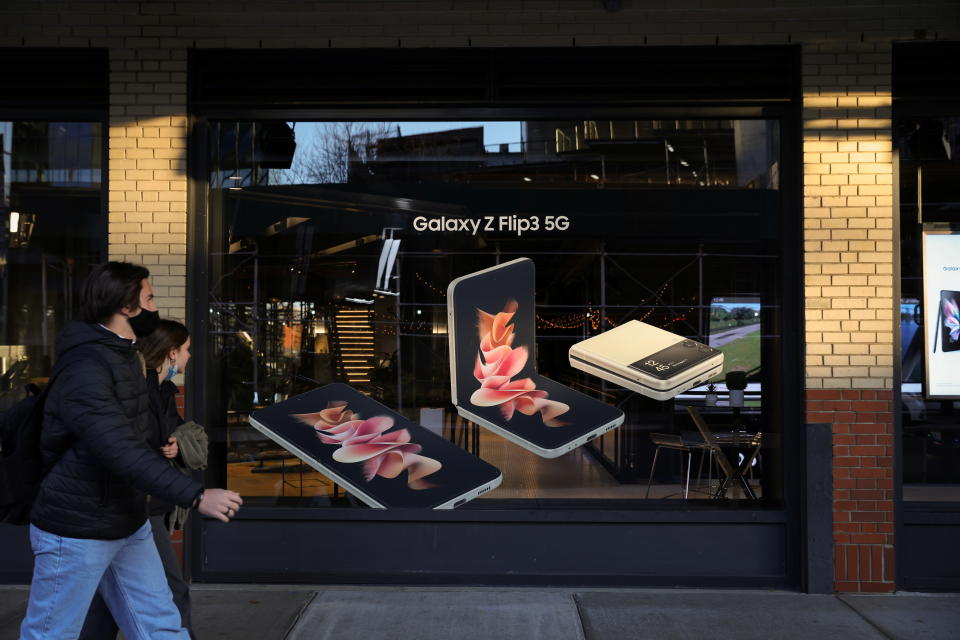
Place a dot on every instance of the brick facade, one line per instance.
(848, 216)
(847, 160)
(863, 515)
(848, 295)
(147, 172)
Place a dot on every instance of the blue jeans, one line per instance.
(100, 624)
(66, 574)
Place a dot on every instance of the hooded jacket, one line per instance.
(96, 442)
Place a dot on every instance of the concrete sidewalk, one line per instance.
(269, 612)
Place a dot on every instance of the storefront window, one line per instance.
(53, 229)
(929, 202)
(677, 223)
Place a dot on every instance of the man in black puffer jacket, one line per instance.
(89, 524)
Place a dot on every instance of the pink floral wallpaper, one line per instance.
(498, 362)
(383, 454)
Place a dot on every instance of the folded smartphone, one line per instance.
(949, 321)
(647, 359)
(376, 454)
(493, 377)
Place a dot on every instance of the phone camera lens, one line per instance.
(689, 343)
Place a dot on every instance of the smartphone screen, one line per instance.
(950, 320)
(493, 358)
(374, 452)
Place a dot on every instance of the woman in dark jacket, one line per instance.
(166, 352)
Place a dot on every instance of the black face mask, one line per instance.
(144, 323)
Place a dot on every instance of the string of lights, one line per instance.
(429, 285)
(574, 320)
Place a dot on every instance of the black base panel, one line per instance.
(741, 554)
(929, 558)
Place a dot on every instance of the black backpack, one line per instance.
(21, 464)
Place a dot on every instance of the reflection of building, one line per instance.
(457, 155)
(645, 152)
(51, 211)
(590, 152)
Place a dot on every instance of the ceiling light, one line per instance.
(669, 147)
(14, 221)
(527, 179)
(685, 163)
(594, 176)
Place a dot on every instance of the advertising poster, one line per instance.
(941, 312)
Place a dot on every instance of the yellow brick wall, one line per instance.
(848, 215)
(147, 173)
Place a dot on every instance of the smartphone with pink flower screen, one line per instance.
(949, 320)
(374, 453)
(491, 327)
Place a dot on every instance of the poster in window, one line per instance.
(941, 311)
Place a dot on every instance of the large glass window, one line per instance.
(53, 229)
(677, 223)
(929, 202)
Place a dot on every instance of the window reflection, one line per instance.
(929, 172)
(321, 275)
(53, 229)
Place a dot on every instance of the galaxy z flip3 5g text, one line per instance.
(495, 224)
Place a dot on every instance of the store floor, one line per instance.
(279, 612)
(575, 475)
